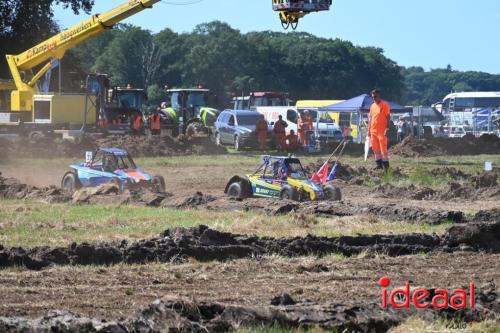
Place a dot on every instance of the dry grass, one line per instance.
(299, 224)
(24, 223)
(120, 290)
(418, 325)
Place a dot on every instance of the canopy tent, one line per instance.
(360, 103)
(424, 115)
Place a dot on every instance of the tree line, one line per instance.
(229, 62)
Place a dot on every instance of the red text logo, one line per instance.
(401, 298)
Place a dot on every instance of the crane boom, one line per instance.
(56, 46)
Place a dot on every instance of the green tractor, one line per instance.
(187, 111)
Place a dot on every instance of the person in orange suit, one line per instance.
(378, 127)
(137, 123)
(307, 127)
(155, 123)
(261, 129)
(280, 132)
(291, 142)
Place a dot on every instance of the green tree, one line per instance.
(231, 63)
(156, 95)
(131, 57)
(462, 86)
(428, 87)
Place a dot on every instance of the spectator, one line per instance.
(280, 132)
(291, 142)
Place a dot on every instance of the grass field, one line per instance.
(30, 223)
(33, 223)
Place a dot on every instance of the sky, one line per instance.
(426, 33)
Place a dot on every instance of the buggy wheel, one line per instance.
(332, 192)
(235, 191)
(70, 182)
(158, 184)
(289, 193)
(116, 181)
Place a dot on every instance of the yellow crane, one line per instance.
(22, 97)
(31, 106)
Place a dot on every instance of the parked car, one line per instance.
(236, 128)
(457, 131)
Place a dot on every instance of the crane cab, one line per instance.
(290, 11)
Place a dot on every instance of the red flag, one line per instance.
(322, 175)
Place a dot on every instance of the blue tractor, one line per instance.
(110, 165)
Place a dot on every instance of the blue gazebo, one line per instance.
(357, 109)
(361, 103)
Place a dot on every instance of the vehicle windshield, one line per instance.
(130, 99)
(270, 101)
(125, 162)
(248, 120)
(295, 169)
(196, 99)
(112, 162)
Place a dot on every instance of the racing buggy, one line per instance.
(110, 165)
(283, 178)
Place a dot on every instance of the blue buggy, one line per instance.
(110, 165)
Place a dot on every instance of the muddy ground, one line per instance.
(468, 145)
(204, 244)
(219, 281)
(117, 292)
(110, 194)
(138, 146)
(152, 146)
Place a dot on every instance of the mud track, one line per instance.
(468, 145)
(138, 146)
(205, 244)
(174, 315)
(109, 194)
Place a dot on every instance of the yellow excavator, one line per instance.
(29, 106)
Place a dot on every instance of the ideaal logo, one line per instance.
(400, 298)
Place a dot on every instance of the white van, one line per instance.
(271, 114)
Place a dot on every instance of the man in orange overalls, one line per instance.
(155, 123)
(280, 132)
(291, 142)
(261, 130)
(307, 127)
(378, 126)
(137, 123)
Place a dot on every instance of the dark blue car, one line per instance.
(237, 128)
